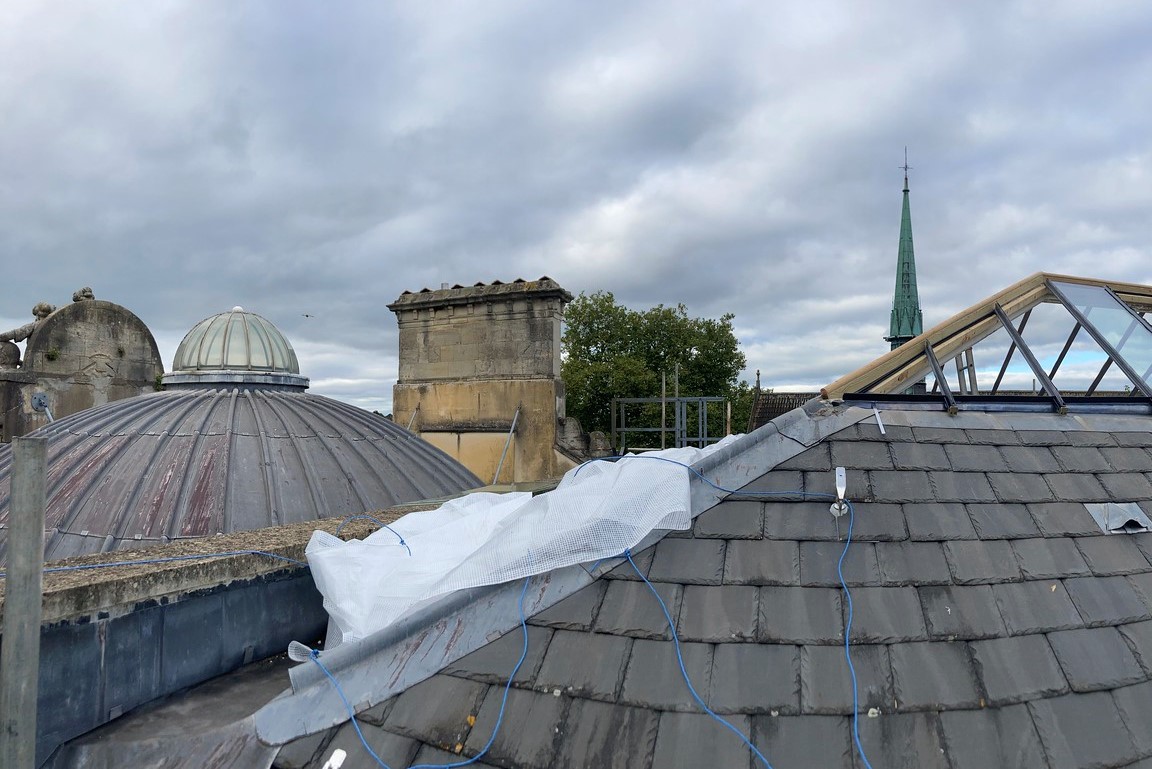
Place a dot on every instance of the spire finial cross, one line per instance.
(906, 167)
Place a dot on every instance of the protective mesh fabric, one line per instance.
(598, 510)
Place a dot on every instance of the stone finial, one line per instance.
(9, 356)
(83, 294)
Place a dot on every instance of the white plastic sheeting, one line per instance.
(599, 510)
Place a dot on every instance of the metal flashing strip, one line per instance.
(1119, 517)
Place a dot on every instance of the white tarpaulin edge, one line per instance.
(599, 510)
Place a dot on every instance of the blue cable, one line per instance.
(110, 564)
(315, 657)
(684, 672)
(847, 642)
(351, 518)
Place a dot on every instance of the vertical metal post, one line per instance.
(507, 443)
(20, 654)
(663, 407)
(728, 417)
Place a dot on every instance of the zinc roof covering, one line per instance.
(195, 462)
(993, 623)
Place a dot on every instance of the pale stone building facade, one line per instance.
(470, 357)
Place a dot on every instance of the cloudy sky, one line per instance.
(317, 159)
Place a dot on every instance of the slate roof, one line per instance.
(994, 624)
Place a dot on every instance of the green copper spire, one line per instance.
(907, 320)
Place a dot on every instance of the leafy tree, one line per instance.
(610, 351)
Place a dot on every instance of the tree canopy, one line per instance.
(610, 351)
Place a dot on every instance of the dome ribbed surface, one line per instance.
(235, 341)
(194, 462)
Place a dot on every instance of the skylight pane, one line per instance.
(1115, 322)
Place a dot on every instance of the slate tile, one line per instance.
(819, 561)
(992, 437)
(738, 519)
(378, 713)
(814, 741)
(1077, 487)
(981, 562)
(1090, 438)
(585, 664)
(903, 741)
(429, 755)
(1043, 438)
(900, 486)
(393, 749)
(494, 662)
(861, 455)
(531, 743)
(955, 612)
(934, 675)
(718, 614)
(299, 753)
(1005, 521)
(912, 563)
(919, 456)
(973, 459)
(1036, 607)
(1095, 658)
(1080, 730)
(1133, 438)
(1128, 459)
(823, 483)
(688, 561)
(777, 481)
(809, 615)
(437, 710)
(1126, 486)
(643, 561)
(654, 680)
(799, 521)
(1143, 586)
(605, 735)
(936, 522)
(577, 611)
(1017, 669)
(1139, 638)
(1106, 600)
(1020, 487)
(886, 614)
(1143, 541)
(630, 609)
(1000, 737)
(1060, 519)
(762, 562)
(1081, 459)
(826, 682)
(1048, 558)
(1114, 554)
(816, 458)
(1134, 704)
(961, 487)
(693, 740)
(939, 435)
(868, 430)
(1030, 459)
(755, 678)
(876, 522)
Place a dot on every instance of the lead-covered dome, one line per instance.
(234, 443)
(235, 346)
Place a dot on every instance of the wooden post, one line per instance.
(20, 654)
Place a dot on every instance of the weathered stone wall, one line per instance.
(85, 354)
(469, 356)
